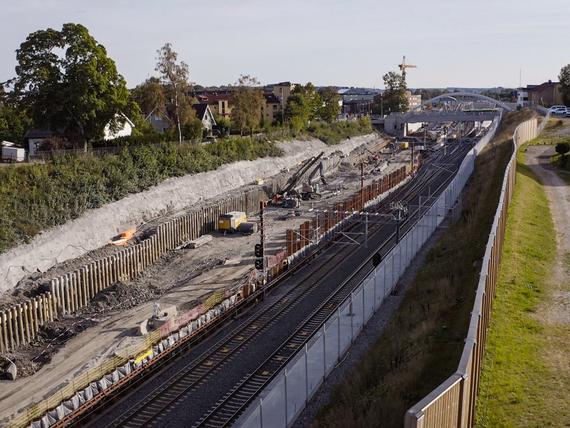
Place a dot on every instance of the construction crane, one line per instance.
(403, 66)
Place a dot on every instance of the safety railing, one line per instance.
(452, 404)
(280, 402)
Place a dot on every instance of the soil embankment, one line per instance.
(94, 229)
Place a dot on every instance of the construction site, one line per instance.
(87, 328)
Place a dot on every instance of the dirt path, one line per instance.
(558, 192)
(555, 311)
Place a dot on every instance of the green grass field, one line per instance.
(518, 386)
(422, 344)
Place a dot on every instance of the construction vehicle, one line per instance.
(231, 221)
(289, 196)
(310, 190)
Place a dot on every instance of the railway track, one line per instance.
(231, 406)
(210, 363)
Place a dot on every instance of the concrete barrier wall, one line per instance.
(73, 290)
(452, 404)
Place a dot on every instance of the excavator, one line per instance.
(288, 197)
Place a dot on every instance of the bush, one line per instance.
(333, 133)
(38, 196)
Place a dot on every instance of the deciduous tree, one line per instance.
(175, 77)
(564, 78)
(66, 81)
(394, 97)
(247, 104)
(150, 96)
(303, 106)
(330, 107)
(14, 120)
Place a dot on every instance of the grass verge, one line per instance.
(519, 388)
(422, 343)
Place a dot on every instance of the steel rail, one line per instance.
(231, 406)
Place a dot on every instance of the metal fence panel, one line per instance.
(332, 342)
(296, 387)
(345, 324)
(316, 361)
(358, 311)
(273, 406)
(327, 346)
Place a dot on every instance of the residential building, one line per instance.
(522, 97)
(281, 90)
(205, 115)
(357, 101)
(159, 123)
(37, 137)
(414, 101)
(546, 94)
(271, 109)
(124, 129)
(219, 102)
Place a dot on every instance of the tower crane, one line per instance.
(403, 66)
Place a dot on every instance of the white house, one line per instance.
(123, 130)
(204, 113)
(522, 97)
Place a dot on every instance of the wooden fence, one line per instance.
(452, 404)
(71, 291)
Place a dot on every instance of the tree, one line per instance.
(150, 96)
(247, 104)
(67, 82)
(174, 76)
(330, 107)
(223, 125)
(564, 78)
(394, 96)
(302, 106)
(14, 120)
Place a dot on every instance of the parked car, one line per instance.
(558, 110)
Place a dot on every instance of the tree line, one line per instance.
(66, 82)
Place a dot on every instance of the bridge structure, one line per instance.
(461, 98)
(396, 123)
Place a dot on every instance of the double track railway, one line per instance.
(216, 385)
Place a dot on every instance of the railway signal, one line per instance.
(258, 251)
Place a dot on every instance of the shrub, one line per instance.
(38, 196)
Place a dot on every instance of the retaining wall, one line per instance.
(94, 228)
(452, 404)
(67, 293)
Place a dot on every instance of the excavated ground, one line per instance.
(182, 278)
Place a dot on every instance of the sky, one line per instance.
(463, 43)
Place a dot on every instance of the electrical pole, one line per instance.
(362, 184)
(262, 238)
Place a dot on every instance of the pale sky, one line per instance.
(473, 43)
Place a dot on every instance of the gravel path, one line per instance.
(558, 192)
